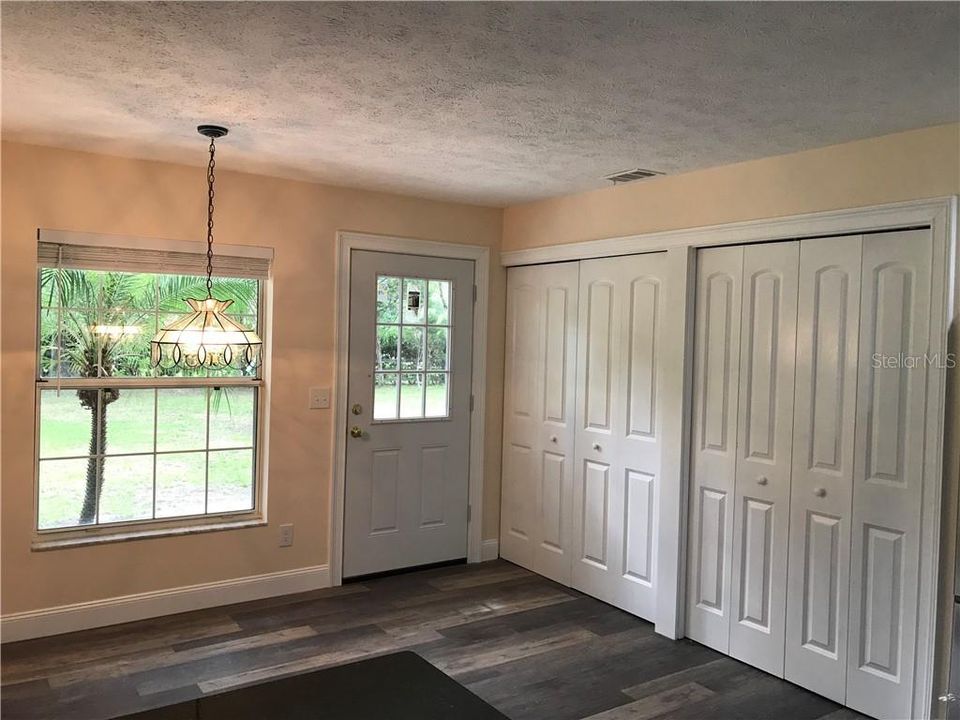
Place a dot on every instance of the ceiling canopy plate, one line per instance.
(212, 131)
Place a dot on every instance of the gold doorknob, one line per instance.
(356, 432)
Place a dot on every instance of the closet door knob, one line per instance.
(762, 480)
(819, 492)
(553, 438)
(596, 446)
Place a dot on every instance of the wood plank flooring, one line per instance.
(529, 647)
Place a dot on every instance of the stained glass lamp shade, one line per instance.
(206, 337)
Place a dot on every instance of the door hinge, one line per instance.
(469, 513)
(471, 403)
(474, 293)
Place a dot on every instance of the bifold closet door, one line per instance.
(761, 508)
(618, 438)
(807, 461)
(713, 462)
(888, 471)
(823, 451)
(746, 311)
(539, 406)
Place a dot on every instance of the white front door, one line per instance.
(619, 430)
(408, 423)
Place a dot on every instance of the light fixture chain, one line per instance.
(207, 337)
(211, 177)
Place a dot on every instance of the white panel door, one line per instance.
(761, 507)
(888, 471)
(714, 444)
(521, 399)
(411, 329)
(539, 405)
(823, 446)
(618, 442)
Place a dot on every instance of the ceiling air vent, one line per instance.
(631, 175)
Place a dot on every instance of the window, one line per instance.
(413, 343)
(123, 442)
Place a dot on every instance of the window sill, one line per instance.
(41, 544)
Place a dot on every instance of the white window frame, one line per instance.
(54, 538)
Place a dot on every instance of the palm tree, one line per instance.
(114, 300)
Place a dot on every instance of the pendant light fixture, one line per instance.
(206, 337)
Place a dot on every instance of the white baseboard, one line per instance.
(127, 608)
(489, 550)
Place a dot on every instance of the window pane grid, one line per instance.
(99, 459)
(133, 301)
(228, 451)
(206, 464)
(99, 347)
(412, 335)
(156, 410)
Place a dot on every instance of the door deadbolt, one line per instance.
(356, 409)
(356, 432)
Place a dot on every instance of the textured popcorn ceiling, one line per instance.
(487, 103)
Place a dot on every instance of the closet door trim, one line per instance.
(938, 213)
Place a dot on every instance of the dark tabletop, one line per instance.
(399, 686)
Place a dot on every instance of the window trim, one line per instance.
(53, 538)
(152, 244)
(66, 540)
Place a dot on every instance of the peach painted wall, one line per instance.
(905, 166)
(67, 190)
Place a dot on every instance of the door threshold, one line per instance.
(404, 571)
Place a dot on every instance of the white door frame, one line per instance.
(347, 242)
(942, 440)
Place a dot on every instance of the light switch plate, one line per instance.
(319, 398)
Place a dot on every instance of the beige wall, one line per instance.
(58, 189)
(906, 166)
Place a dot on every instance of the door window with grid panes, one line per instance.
(412, 364)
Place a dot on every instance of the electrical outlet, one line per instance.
(319, 398)
(286, 535)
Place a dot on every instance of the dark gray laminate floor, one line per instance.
(530, 647)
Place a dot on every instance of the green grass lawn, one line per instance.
(179, 469)
(131, 471)
(385, 399)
